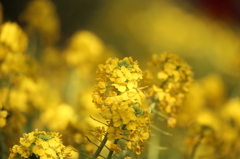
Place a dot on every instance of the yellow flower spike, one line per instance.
(121, 106)
(170, 85)
(43, 144)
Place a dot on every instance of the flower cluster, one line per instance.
(173, 79)
(120, 100)
(41, 144)
(212, 121)
(38, 13)
(13, 43)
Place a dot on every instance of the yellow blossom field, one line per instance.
(129, 80)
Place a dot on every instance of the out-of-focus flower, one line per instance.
(41, 15)
(83, 46)
(12, 37)
(13, 43)
(205, 93)
(172, 82)
(214, 90)
(57, 118)
(230, 114)
(41, 144)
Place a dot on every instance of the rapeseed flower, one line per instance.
(169, 87)
(119, 98)
(40, 144)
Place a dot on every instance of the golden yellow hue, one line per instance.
(47, 77)
(171, 83)
(41, 144)
(3, 115)
(41, 16)
(118, 96)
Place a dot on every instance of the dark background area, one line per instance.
(77, 14)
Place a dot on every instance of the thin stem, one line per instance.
(101, 141)
(100, 147)
(91, 141)
(102, 156)
(161, 131)
(111, 152)
(115, 142)
(160, 114)
(86, 155)
(98, 121)
(157, 147)
(195, 147)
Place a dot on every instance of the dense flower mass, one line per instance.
(120, 100)
(41, 144)
(174, 77)
(12, 37)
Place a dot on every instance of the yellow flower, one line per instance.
(3, 115)
(41, 143)
(40, 15)
(50, 152)
(116, 148)
(172, 82)
(99, 132)
(114, 133)
(38, 150)
(12, 36)
(27, 139)
(13, 152)
(53, 143)
(119, 98)
(24, 151)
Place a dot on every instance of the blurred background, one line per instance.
(205, 29)
(67, 39)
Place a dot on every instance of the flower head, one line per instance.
(120, 100)
(172, 82)
(41, 144)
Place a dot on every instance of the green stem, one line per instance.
(100, 147)
(111, 152)
(3, 147)
(195, 147)
(115, 142)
